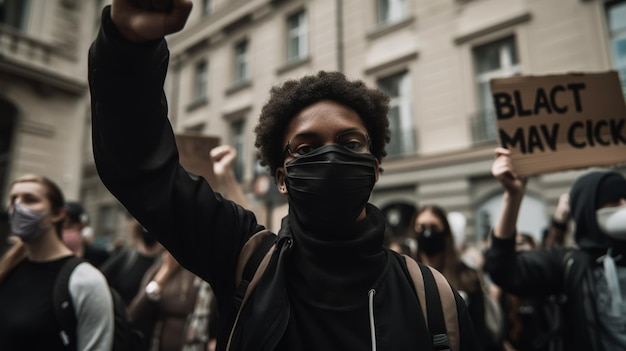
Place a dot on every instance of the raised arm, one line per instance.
(535, 272)
(223, 157)
(135, 149)
(514, 187)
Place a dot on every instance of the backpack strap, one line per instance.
(438, 305)
(253, 260)
(62, 303)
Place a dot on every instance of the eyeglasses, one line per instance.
(354, 141)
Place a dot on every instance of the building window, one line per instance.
(494, 60)
(390, 11)
(616, 19)
(207, 7)
(398, 87)
(238, 142)
(200, 81)
(297, 43)
(13, 13)
(241, 62)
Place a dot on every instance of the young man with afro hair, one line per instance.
(327, 281)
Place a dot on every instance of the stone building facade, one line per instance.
(433, 57)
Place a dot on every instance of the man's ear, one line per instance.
(280, 180)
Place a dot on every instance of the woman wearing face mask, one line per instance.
(28, 272)
(436, 248)
(592, 277)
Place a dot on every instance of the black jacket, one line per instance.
(137, 159)
(550, 272)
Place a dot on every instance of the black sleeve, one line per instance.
(112, 266)
(137, 159)
(467, 333)
(531, 273)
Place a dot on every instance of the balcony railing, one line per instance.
(17, 45)
(35, 59)
(484, 129)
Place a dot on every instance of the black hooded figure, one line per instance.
(592, 278)
(590, 192)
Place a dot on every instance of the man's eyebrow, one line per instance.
(317, 135)
(306, 135)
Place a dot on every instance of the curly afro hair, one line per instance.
(285, 101)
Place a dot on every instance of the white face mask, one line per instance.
(612, 221)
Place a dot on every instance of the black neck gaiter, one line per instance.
(337, 274)
(329, 188)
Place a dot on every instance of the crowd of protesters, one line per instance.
(197, 272)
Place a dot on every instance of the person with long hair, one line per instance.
(436, 248)
(28, 272)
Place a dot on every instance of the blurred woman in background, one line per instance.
(436, 248)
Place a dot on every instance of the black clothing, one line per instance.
(584, 198)
(137, 159)
(27, 318)
(125, 270)
(476, 300)
(95, 256)
(542, 273)
(28, 321)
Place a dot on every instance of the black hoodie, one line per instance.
(584, 203)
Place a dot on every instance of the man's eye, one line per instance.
(304, 149)
(354, 145)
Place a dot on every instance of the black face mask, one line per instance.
(431, 241)
(329, 187)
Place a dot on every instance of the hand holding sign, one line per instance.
(514, 187)
(560, 122)
(503, 170)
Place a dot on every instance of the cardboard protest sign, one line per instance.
(560, 122)
(193, 153)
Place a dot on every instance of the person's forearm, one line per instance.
(507, 222)
(133, 143)
(136, 157)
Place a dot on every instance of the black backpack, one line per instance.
(433, 291)
(124, 337)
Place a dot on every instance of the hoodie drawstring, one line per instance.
(371, 294)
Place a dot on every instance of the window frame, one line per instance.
(298, 33)
(207, 7)
(200, 81)
(509, 64)
(617, 40)
(238, 141)
(402, 128)
(241, 60)
(389, 12)
(19, 7)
